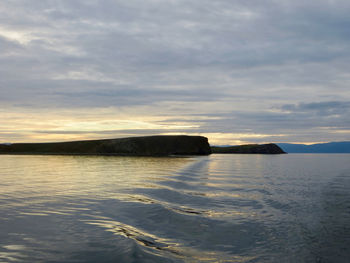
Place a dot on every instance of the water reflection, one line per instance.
(220, 208)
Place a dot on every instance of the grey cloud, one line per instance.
(332, 115)
(247, 55)
(80, 93)
(324, 107)
(297, 122)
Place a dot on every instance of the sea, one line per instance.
(217, 208)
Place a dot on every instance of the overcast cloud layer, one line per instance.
(235, 71)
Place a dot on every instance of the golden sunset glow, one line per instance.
(46, 126)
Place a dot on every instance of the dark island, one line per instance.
(270, 148)
(135, 146)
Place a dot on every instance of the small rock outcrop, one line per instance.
(135, 146)
(270, 148)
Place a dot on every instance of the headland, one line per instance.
(161, 145)
(270, 148)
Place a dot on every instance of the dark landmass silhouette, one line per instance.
(134, 146)
(249, 149)
(331, 147)
(162, 145)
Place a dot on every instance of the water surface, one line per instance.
(218, 208)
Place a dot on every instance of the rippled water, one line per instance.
(218, 208)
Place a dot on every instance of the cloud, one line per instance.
(263, 67)
(324, 108)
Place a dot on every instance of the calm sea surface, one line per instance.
(218, 208)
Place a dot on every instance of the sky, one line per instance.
(235, 71)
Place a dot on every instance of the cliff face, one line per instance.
(250, 148)
(142, 146)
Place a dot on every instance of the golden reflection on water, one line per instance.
(48, 178)
(44, 178)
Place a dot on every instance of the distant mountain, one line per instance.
(331, 147)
